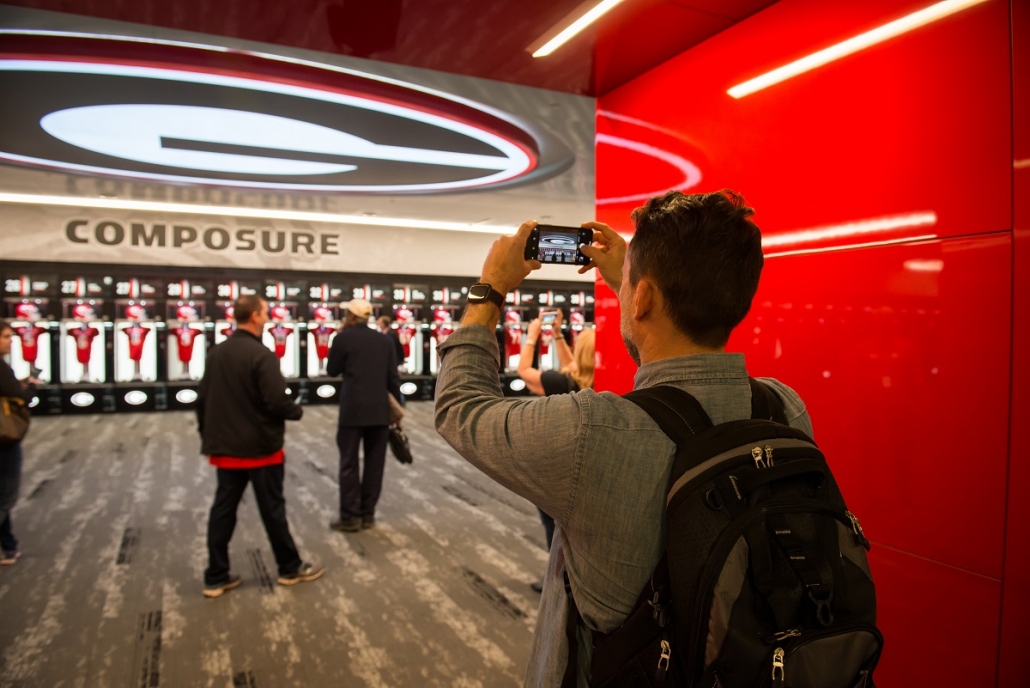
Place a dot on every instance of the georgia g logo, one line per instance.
(175, 112)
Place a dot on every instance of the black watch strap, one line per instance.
(481, 292)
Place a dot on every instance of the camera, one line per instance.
(552, 244)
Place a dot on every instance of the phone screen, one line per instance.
(548, 318)
(562, 244)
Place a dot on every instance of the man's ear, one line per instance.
(644, 298)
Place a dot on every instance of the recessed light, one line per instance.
(570, 25)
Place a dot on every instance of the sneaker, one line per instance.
(367, 522)
(9, 557)
(218, 589)
(306, 572)
(346, 525)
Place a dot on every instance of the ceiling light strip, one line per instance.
(852, 45)
(257, 213)
(592, 15)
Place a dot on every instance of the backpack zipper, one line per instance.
(857, 528)
(663, 660)
(781, 655)
(702, 607)
(778, 669)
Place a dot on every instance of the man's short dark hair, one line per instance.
(4, 325)
(245, 308)
(705, 255)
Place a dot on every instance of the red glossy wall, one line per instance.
(1013, 667)
(898, 333)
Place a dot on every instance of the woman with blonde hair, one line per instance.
(576, 372)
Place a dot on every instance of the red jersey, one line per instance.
(442, 332)
(186, 337)
(29, 336)
(514, 341)
(227, 331)
(546, 337)
(405, 333)
(137, 334)
(83, 342)
(323, 336)
(280, 335)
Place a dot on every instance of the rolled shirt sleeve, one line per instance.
(532, 446)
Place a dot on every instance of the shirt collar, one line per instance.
(696, 367)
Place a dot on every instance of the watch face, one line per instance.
(478, 292)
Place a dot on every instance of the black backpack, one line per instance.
(764, 581)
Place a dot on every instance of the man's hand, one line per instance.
(608, 256)
(506, 265)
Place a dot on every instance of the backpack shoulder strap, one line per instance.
(677, 413)
(765, 404)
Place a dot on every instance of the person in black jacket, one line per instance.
(368, 363)
(10, 455)
(241, 414)
(384, 326)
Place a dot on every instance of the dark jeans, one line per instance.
(268, 492)
(548, 528)
(358, 495)
(10, 481)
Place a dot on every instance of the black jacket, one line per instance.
(368, 363)
(397, 346)
(9, 385)
(243, 403)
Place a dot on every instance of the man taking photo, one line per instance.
(597, 462)
(241, 414)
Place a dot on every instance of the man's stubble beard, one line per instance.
(634, 352)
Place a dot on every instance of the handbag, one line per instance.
(14, 420)
(399, 444)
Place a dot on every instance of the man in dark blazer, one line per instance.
(367, 360)
(242, 411)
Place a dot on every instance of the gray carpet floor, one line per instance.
(112, 521)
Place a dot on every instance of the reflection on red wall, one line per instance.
(883, 186)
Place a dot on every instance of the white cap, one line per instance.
(359, 307)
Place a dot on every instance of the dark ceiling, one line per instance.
(482, 38)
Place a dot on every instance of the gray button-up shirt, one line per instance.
(596, 463)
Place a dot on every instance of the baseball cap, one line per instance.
(358, 307)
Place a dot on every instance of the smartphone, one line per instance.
(548, 317)
(35, 372)
(555, 244)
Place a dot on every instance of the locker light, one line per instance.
(186, 396)
(852, 45)
(517, 385)
(409, 388)
(325, 391)
(135, 397)
(82, 399)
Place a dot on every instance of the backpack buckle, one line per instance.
(823, 613)
(661, 610)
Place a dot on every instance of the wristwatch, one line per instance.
(484, 293)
